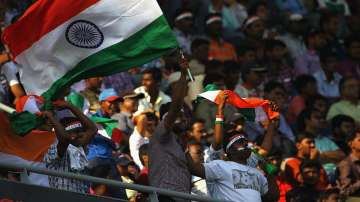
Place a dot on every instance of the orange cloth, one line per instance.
(31, 147)
(222, 51)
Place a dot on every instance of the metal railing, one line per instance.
(152, 191)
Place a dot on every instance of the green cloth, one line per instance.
(108, 124)
(24, 122)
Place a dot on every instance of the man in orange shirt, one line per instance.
(219, 49)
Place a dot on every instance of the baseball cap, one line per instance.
(131, 95)
(109, 95)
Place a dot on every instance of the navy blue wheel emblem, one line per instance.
(84, 34)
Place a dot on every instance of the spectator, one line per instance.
(342, 127)
(128, 106)
(92, 92)
(306, 150)
(277, 60)
(229, 20)
(349, 102)
(11, 86)
(247, 54)
(182, 27)
(330, 195)
(230, 180)
(307, 191)
(293, 39)
(145, 124)
(254, 29)
(143, 178)
(196, 152)
(330, 26)
(67, 152)
(309, 61)
(200, 51)
(252, 76)
(305, 86)
(319, 103)
(238, 10)
(219, 49)
(232, 71)
(351, 65)
(311, 121)
(349, 169)
(122, 168)
(174, 174)
(327, 78)
(154, 97)
(276, 92)
(109, 103)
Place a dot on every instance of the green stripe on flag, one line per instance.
(144, 46)
(108, 124)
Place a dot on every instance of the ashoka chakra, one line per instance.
(84, 34)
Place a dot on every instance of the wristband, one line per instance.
(219, 119)
(219, 122)
(220, 116)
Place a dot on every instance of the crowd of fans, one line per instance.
(152, 129)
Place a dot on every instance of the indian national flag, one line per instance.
(59, 42)
(254, 109)
(27, 150)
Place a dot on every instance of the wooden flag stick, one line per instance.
(6, 108)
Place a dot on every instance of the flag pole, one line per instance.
(6, 108)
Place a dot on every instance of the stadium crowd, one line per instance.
(148, 126)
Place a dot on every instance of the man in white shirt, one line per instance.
(233, 180)
(153, 96)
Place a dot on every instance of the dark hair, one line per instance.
(326, 16)
(326, 53)
(324, 195)
(311, 100)
(245, 47)
(302, 81)
(196, 43)
(151, 116)
(270, 44)
(351, 39)
(311, 33)
(300, 137)
(342, 82)
(303, 116)
(339, 119)
(155, 72)
(212, 78)
(231, 67)
(101, 171)
(310, 164)
(143, 151)
(271, 85)
(352, 136)
(214, 67)
(252, 8)
(197, 120)
(164, 109)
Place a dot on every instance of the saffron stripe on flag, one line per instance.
(41, 18)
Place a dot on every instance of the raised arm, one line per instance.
(179, 92)
(63, 142)
(89, 126)
(219, 127)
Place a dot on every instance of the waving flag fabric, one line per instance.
(59, 42)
